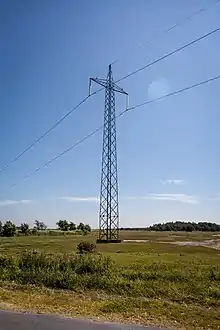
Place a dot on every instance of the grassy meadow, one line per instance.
(151, 282)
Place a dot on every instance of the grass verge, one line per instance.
(99, 306)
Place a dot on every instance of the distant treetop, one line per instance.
(180, 226)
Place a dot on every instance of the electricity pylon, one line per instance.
(109, 210)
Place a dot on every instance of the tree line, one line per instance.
(180, 226)
(9, 229)
(65, 225)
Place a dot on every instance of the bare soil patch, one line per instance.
(211, 243)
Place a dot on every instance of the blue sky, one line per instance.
(168, 151)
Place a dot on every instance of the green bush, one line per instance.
(86, 247)
(55, 271)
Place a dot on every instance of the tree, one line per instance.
(185, 226)
(81, 226)
(1, 228)
(40, 225)
(189, 227)
(63, 225)
(72, 226)
(33, 231)
(87, 228)
(24, 228)
(43, 226)
(8, 229)
(37, 224)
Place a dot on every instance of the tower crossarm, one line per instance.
(105, 83)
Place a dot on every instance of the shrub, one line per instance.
(5, 261)
(86, 247)
(56, 271)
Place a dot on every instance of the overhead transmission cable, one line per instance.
(119, 115)
(169, 54)
(86, 98)
(176, 25)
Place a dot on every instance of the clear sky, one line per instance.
(168, 151)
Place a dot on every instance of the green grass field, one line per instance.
(151, 283)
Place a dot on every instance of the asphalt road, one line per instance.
(26, 321)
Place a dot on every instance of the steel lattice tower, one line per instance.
(109, 210)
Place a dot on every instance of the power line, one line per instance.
(171, 94)
(119, 115)
(178, 24)
(198, 12)
(97, 91)
(43, 135)
(169, 54)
